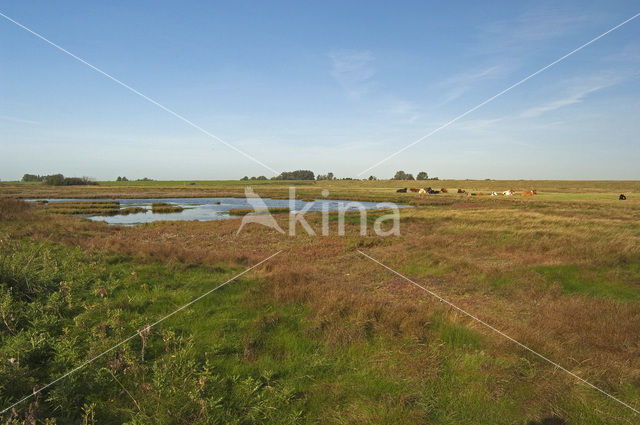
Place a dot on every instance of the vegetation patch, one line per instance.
(164, 208)
(245, 211)
(132, 210)
(594, 282)
(13, 208)
(454, 334)
(83, 207)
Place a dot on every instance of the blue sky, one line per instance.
(326, 86)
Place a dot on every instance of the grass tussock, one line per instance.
(132, 210)
(165, 208)
(245, 211)
(82, 207)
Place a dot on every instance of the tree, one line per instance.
(124, 179)
(401, 175)
(422, 175)
(296, 175)
(54, 180)
(244, 178)
(119, 179)
(373, 178)
(328, 176)
(261, 178)
(31, 178)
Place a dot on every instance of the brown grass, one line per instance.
(483, 254)
(12, 209)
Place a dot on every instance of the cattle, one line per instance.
(508, 192)
(444, 190)
(461, 191)
(402, 190)
(530, 193)
(414, 189)
(433, 192)
(494, 193)
(422, 191)
(622, 197)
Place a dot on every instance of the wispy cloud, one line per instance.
(531, 27)
(18, 120)
(458, 84)
(572, 96)
(403, 109)
(353, 70)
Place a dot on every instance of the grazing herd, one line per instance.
(426, 190)
(430, 191)
(510, 192)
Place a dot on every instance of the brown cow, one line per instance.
(530, 193)
(444, 190)
(461, 191)
(414, 189)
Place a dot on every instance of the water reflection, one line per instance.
(206, 209)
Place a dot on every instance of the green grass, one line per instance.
(232, 357)
(594, 282)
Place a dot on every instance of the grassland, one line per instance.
(320, 334)
(343, 189)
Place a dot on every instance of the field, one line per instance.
(320, 333)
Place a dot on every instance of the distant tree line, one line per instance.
(401, 175)
(328, 176)
(296, 175)
(58, 180)
(30, 178)
(309, 175)
(124, 179)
